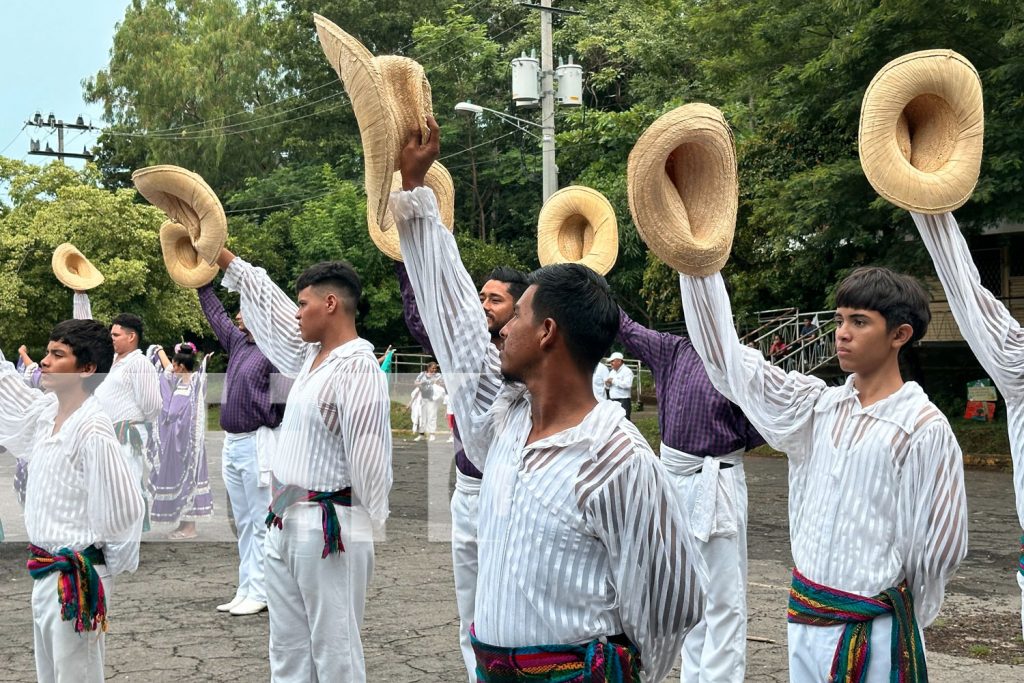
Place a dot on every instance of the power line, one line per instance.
(14, 139)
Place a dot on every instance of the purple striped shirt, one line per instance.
(251, 379)
(419, 333)
(692, 416)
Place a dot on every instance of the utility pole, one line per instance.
(547, 100)
(52, 122)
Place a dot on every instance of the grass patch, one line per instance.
(979, 651)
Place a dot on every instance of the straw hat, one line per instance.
(390, 96)
(689, 222)
(440, 182)
(921, 129)
(187, 200)
(73, 269)
(181, 259)
(577, 225)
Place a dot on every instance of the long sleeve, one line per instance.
(991, 332)
(932, 516)
(365, 415)
(450, 309)
(227, 334)
(146, 387)
(269, 314)
(410, 311)
(641, 342)
(20, 407)
(779, 404)
(658, 578)
(623, 379)
(115, 506)
(81, 308)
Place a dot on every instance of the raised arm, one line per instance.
(658, 580)
(227, 333)
(410, 311)
(81, 308)
(993, 334)
(365, 414)
(779, 404)
(932, 515)
(20, 407)
(641, 342)
(268, 312)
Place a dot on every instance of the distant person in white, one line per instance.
(83, 509)
(583, 548)
(598, 382)
(620, 383)
(331, 467)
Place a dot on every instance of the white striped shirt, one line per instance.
(80, 491)
(580, 534)
(876, 494)
(131, 390)
(81, 307)
(336, 431)
(987, 326)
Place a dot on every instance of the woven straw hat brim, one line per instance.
(577, 225)
(73, 269)
(439, 180)
(390, 97)
(186, 199)
(688, 224)
(922, 125)
(181, 260)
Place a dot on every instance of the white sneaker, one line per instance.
(432, 438)
(419, 437)
(228, 606)
(247, 607)
(451, 439)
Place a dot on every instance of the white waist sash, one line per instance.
(715, 509)
(466, 484)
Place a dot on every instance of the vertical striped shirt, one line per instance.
(987, 326)
(81, 491)
(876, 494)
(336, 430)
(580, 534)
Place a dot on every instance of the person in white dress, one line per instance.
(583, 547)
(877, 508)
(83, 508)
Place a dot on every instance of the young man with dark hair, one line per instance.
(83, 509)
(583, 551)
(331, 466)
(878, 514)
(995, 337)
(498, 295)
(249, 412)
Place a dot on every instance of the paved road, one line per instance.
(163, 626)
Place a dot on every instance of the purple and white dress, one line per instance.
(181, 483)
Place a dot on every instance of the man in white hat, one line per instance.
(620, 383)
(581, 537)
(331, 467)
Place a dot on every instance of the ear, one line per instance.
(548, 334)
(902, 335)
(331, 301)
(87, 371)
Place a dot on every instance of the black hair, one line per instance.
(898, 298)
(90, 342)
(581, 304)
(185, 357)
(131, 322)
(516, 280)
(340, 276)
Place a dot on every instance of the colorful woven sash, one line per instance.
(286, 496)
(600, 661)
(128, 434)
(79, 588)
(817, 605)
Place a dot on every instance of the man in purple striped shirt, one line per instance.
(251, 406)
(498, 297)
(703, 438)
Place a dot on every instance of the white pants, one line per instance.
(140, 470)
(1020, 582)
(63, 656)
(316, 604)
(465, 514)
(428, 417)
(249, 503)
(811, 649)
(716, 648)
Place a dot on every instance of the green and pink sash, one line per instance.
(817, 605)
(287, 495)
(79, 588)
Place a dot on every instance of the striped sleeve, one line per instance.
(269, 315)
(81, 308)
(20, 406)
(364, 410)
(449, 307)
(115, 506)
(658, 576)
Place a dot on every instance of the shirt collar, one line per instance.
(900, 408)
(596, 427)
